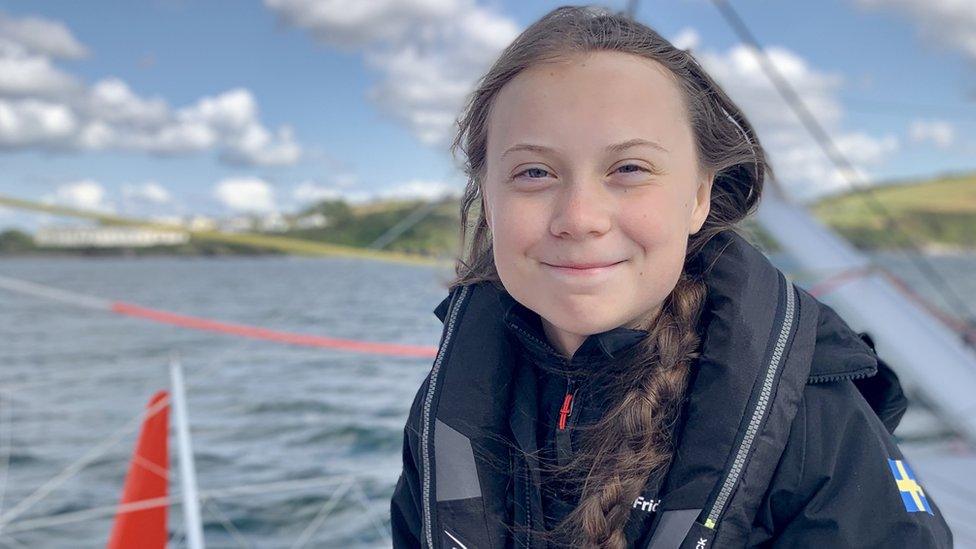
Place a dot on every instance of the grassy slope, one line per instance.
(936, 213)
(435, 235)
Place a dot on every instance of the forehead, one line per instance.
(593, 97)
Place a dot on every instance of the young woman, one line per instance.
(619, 367)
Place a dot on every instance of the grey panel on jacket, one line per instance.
(672, 528)
(457, 474)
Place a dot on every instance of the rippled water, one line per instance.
(260, 412)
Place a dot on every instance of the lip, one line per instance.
(583, 272)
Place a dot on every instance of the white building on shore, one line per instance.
(106, 237)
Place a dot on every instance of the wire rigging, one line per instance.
(846, 167)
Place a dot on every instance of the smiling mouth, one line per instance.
(581, 272)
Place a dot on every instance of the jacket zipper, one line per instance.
(427, 424)
(563, 442)
(758, 413)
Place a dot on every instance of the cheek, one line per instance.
(649, 227)
(660, 234)
(517, 228)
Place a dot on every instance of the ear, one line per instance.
(703, 201)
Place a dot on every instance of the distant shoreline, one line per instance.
(933, 249)
(938, 214)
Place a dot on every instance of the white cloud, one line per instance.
(686, 39)
(861, 148)
(50, 38)
(112, 102)
(802, 167)
(939, 132)
(149, 191)
(310, 192)
(85, 194)
(951, 23)
(417, 188)
(23, 73)
(429, 52)
(43, 107)
(256, 146)
(246, 194)
(25, 122)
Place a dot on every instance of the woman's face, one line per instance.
(592, 161)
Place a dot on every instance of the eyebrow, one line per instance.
(616, 147)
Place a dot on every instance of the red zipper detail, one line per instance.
(564, 411)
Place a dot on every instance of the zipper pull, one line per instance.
(564, 411)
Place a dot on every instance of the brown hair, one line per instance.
(645, 387)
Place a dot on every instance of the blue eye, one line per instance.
(537, 171)
(639, 168)
(531, 170)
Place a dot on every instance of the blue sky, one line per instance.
(168, 107)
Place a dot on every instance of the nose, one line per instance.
(583, 209)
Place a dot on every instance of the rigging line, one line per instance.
(206, 324)
(323, 514)
(79, 464)
(360, 494)
(82, 462)
(13, 542)
(828, 280)
(177, 497)
(408, 221)
(93, 454)
(226, 523)
(845, 166)
(88, 374)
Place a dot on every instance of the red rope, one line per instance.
(197, 323)
(838, 279)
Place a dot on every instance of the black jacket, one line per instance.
(785, 437)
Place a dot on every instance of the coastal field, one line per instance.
(939, 214)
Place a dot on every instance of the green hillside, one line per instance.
(434, 235)
(937, 213)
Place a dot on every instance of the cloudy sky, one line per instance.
(171, 107)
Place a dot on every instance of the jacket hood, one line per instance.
(839, 352)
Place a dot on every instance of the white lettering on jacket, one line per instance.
(649, 505)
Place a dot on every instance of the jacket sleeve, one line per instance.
(406, 520)
(836, 484)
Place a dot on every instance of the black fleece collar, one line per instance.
(526, 325)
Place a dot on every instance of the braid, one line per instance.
(632, 440)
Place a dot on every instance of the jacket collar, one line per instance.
(526, 325)
(839, 353)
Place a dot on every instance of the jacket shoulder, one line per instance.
(837, 483)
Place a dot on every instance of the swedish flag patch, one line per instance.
(911, 491)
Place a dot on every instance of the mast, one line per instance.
(188, 476)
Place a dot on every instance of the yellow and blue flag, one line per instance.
(911, 491)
